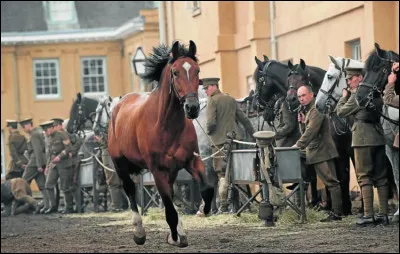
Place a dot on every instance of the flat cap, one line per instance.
(57, 121)
(210, 81)
(25, 121)
(350, 72)
(12, 123)
(47, 125)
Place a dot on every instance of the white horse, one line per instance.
(103, 113)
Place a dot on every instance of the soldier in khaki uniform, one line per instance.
(59, 164)
(16, 194)
(76, 143)
(369, 149)
(37, 159)
(118, 197)
(320, 148)
(222, 116)
(17, 145)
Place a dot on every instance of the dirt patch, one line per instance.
(110, 232)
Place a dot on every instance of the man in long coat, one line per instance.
(17, 145)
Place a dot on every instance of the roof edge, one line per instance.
(103, 34)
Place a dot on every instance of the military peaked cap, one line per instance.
(25, 121)
(350, 72)
(57, 121)
(12, 123)
(210, 81)
(47, 125)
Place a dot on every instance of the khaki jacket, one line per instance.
(57, 147)
(390, 97)
(17, 145)
(316, 136)
(37, 149)
(363, 134)
(287, 132)
(222, 116)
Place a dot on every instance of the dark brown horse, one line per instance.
(155, 132)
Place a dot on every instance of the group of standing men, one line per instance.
(46, 162)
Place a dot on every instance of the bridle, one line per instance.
(78, 127)
(334, 86)
(184, 97)
(97, 121)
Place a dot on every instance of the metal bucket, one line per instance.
(289, 166)
(241, 166)
(86, 173)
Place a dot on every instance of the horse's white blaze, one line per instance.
(187, 67)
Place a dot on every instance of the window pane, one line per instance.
(38, 73)
(54, 90)
(100, 71)
(94, 88)
(53, 72)
(101, 88)
(85, 63)
(94, 80)
(38, 91)
(100, 62)
(86, 89)
(38, 65)
(54, 81)
(45, 65)
(39, 82)
(85, 71)
(52, 65)
(46, 82)
(47, 90)
(46, 72)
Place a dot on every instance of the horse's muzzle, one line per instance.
(191, 108)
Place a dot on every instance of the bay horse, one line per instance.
(377, 69)
(156, 132)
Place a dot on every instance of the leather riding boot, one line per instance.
(383, 195)
(52, 202)
(223, 195)
(382, 219)
(115, 199)
(46, 201)
(69, 202)
(368, 199)
(336, 196)
(124, 198)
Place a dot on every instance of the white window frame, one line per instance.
(58, 12)
(48, 77)
(3, 160)
(94, 75)
(356, 50)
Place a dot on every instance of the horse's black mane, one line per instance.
(161, 56)
(373, 62)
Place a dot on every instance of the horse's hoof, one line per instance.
(139, 240)
(181, 243)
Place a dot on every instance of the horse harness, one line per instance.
(184, 97)
(76, 127)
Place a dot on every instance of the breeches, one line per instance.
(112, 178)
(370, 165)
(66, 178)
(327, 172)
(218, 161)
(33, 173)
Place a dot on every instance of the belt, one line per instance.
(366, 121)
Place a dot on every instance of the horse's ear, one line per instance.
(333, 60)
(265, 58)
(120, 96)
(109, 97)
(192, 48)
(377, 47)
(79, 97)
(259, 63)
(302, 64)
(175, 50)
(289, 64)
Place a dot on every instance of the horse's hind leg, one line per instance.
(393, 156)
(164, 185)
(122, 165)
(207, 191)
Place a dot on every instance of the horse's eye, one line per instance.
(176, 73)
(329, 76)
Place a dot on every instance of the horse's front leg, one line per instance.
(164, 183)
(207, 191)
(122, 165)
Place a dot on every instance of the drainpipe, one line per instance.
(170, 23)
(272, 24)
(15, 84)
(161, 22)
